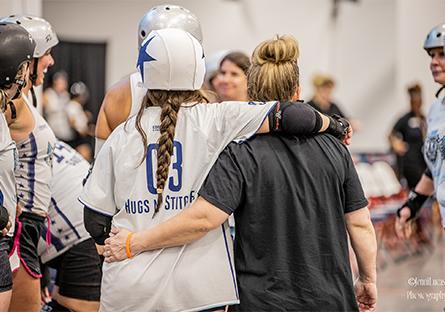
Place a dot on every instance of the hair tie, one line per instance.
(159, 190)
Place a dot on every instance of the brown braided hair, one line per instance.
(170, 103)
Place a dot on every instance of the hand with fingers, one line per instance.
(348, 136)
(116, 245)
(366, 296)
(404, 224)
(408, 212)
(8, 226)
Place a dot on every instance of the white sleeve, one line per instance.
(98, 192)
(232, 121)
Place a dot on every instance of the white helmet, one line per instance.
(39, 29)
(435, 38)
(171, 59)
(169, 16)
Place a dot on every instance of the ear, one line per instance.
(296, 95)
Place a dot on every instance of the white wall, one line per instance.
(373, 49)
(8, 7)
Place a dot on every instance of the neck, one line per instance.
(320, 101)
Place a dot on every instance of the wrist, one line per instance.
(367, 279)
(135, 244)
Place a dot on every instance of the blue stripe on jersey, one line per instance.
(31, 171)
(230, 261)
(56, 242)
(64, 217)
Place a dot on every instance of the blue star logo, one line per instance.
(144, 57)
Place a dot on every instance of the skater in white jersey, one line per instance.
(72, 251)
(16, 50)
(141, 185)
(433, 180)
(35, 142)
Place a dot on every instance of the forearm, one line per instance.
(191, 224)
(364, 244)
(325, 122)
(425, 186)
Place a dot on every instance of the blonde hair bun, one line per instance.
(278, 50)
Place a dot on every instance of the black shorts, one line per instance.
(79, 271)
(28, 231)
(5, 267)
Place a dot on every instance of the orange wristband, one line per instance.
(127, 246)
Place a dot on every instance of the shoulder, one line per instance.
(117, 102)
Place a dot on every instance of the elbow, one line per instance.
(206, 226)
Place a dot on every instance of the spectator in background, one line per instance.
(55, 100)
(406, 139)
(322, 101)
(233, 77)
(79, 120)
(213, 78)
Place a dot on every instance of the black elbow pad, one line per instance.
(428, 173)
(97, 224)
(294, 119)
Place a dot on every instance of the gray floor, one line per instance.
(412, 283)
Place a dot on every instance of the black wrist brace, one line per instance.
(414, 203)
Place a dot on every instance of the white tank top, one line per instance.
(65, 211)
(8, 162)
(137, 93)
(34, 171)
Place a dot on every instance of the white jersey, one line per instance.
(34, 171)
(8, 162)
(434, 150)
(138, 92)
(192, 277)
(65, 211)
(77, 116)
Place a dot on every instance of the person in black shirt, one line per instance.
(294, 200)
(406, 139)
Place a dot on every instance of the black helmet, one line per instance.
(16, 47)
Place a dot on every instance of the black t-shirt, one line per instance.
(411, 130)
(332, 110)
(289, 196)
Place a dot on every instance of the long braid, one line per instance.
(170, 103)
(169, 116)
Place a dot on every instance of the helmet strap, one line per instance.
(33, 78)
(13, 110)
(33, 75)
(440, 90)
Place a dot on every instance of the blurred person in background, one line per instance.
(406, 139)
(232, 77)
(54, 102)
(322, 100)
(433, 179)
(212, 80)
(79, 120)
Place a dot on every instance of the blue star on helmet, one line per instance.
(144, 57)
